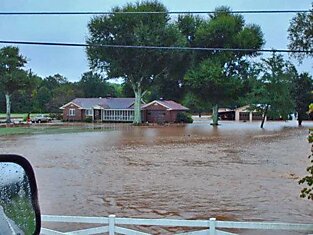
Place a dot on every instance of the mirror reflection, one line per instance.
(17, 215)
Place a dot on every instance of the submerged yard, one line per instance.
(52, 128)
(234, 172)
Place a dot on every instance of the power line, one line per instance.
(153, 47)
(152, 12)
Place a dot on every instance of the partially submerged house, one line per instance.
(120, 110)
(161, 111)
(246, 114)
(103, 109)
(240, 114)
(226, 114)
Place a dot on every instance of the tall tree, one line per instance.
(138, 67)
(60, 96)
(271, 90)
(217, 76)
(42, 98)
(301, 34)
(24, 99)
(12, 77)
(93, 85)
(53, 82)
(302, 94)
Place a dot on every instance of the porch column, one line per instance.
(237, 115)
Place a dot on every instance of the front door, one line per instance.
(97, 114)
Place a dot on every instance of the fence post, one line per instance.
(212, 226)
(111, 224)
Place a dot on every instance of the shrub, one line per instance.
(307, 192)
(184, 118)
(88, 119)
(57, 116)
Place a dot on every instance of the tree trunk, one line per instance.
(8, 111)
(137, 106)
(264, 116)
(215, 115)
(299, 119)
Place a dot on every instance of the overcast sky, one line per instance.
(72, 62)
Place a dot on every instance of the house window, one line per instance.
(244, 116)
(88, 112)
(71, 112)
(118, 115)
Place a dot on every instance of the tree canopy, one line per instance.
(300, 34)
(302, 93)
(94, 85)
(12, 76)
(138, 67)
(271, 89)
(217, 77)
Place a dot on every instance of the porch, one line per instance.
(113, 115)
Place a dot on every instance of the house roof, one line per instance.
(106, 103)
(120, 103)
(168, 104)
(225, 110)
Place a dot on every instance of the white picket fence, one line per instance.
(111, 225)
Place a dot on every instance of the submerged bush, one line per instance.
(88, 119)
(57, 116)
(184, 118)
(307, 192)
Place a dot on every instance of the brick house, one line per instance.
(103, 109)
(160, 111)
(120, 110)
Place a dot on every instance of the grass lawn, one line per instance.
(44, 129)
(19, 115)
(15, 130)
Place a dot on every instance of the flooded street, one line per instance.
(236, 171)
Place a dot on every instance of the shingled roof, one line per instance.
(106, 103)
(168, 104)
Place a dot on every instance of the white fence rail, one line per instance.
(111, 225)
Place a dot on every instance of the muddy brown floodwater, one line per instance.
(234, 172)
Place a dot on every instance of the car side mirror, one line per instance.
(19, 208)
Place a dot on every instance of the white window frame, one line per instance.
(71, 112)
(88, 112)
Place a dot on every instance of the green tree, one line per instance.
(188, 25)
(12, 77)
(53, 82)
(93, 85)
(138, 67)
(210, 84)
(53, 92)
(42, 98)
(23, 99)
(271, 89)
(217, 76)
(302, 95)
(195, 104)
(307, 192)
(60, 96)
(300, 34)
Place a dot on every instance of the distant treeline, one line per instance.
(47, 95)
